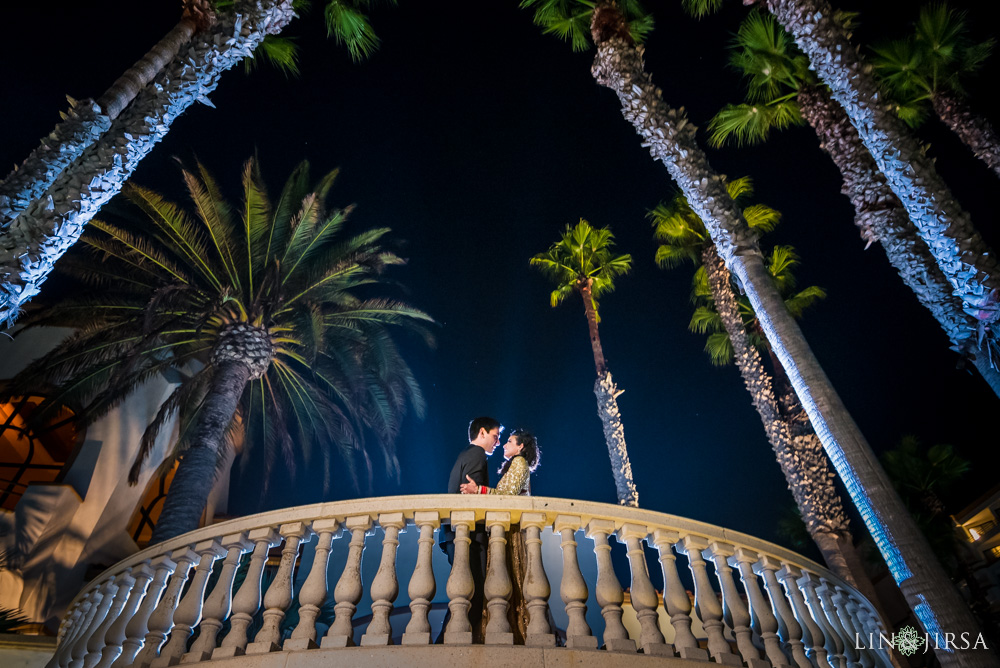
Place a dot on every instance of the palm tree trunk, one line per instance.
(972, 128)
(614, 435)
(671, 139)
(595, 338)
(86, 120)
(881, 217)
(35, 239)
(805, 467)
(195, 475)
(607, 407)
(963, 256)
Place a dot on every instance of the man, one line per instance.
(484, 435)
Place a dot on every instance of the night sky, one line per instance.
(477, 139)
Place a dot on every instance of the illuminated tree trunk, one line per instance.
(39, 235)
(882, 218)
(963, 256)
(607, 408)
(972, 128)
(86, 120)
(671, 139)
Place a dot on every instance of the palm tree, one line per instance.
(255, 304)
(734, 335)
(670, 138)
(582, 261)
(928, 68)
(782, 92)
(46, 203)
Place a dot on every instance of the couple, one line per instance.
(470, 475)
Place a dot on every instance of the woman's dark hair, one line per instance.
(531, 453)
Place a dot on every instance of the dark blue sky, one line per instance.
(477, 139)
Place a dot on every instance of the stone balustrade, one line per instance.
(216, 594)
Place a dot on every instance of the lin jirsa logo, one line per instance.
(909, 641)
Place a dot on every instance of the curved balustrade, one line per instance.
(755, 603)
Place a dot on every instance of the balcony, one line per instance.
(754, 603)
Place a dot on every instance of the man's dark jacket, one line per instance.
(471, 462)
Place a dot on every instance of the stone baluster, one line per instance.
(188, 612)
(219, 602)
(866, 617)
(854, 634)
(846, 641)
(460, 586)
(104, 597)
(762, 619)
(66, 627)
(95, 646)
(279, 595)
(832, 641)
(536, 585)
(385, 585)
(64, 652)
(734, 609)
(813, 636)
(644, 599)
(706, 604)
(247, 600)
(141, 576)
(789, 629)
(497, 588)
(314, 589)
(609, 590)
(137, 627)
(675, 597)
(422, 586)
(349, 587)
(162, 619)
(573, 588)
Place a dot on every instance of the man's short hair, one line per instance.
(487, 423)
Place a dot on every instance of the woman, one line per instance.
(521, 458)
(521, 455)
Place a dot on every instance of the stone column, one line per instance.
(422, 586)
(349, 587)
(705, 602)
(789, 629)
(833, 643)
(138, 626)
(498, 588)
(536, 584)
(644, 599)
(762, 619)
(162, 619)
(609, 590)
(279, 595)
(103, 599)
(675, 597)
(573, 588)
(813, 636)
(142, 575)
(732, 605)
(219, 602)
(460, 586)
(385, 586)
(188, 612)
(247, 600)
(95, 646)
(314, 589)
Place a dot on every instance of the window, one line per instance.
(31, 453)
(144, 520)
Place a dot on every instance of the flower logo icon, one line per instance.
(908, 641)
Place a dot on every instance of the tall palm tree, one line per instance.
(782, 92)
(45, 204)
(256, 304)
(670, 138)
(734, 336)
(582, 261)
(928, 69)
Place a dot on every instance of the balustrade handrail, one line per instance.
(138, 611)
